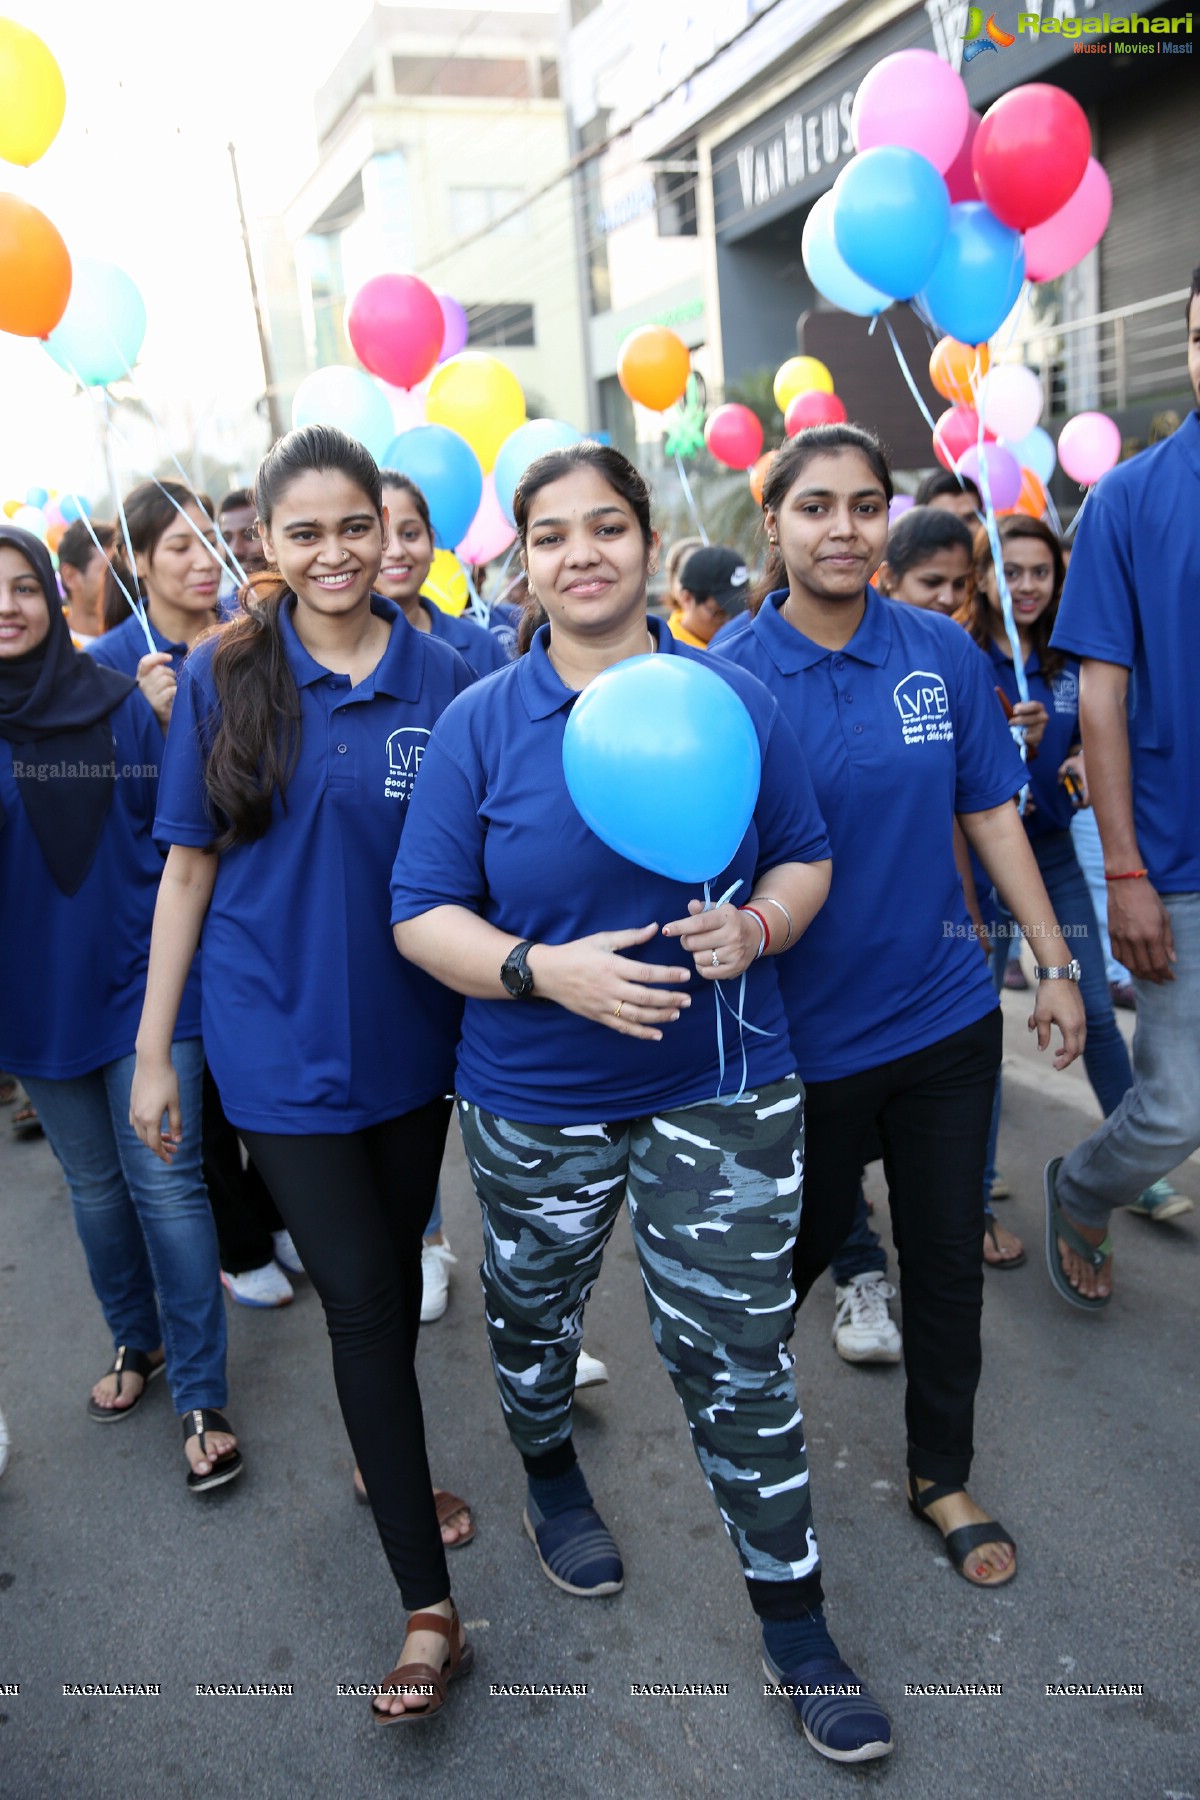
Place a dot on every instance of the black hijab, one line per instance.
(57, 700)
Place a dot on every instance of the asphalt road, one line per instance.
(1088, 1440)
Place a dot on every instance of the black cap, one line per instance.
(716, 573)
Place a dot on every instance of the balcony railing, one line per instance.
(1111, 360)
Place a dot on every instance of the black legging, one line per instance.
(932, 1110)
(243, 1211)
(356, 1207)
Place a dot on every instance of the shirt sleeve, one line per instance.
(440, 861)
(1098, 615)
(787, 816)
(184, 815)
(988, 765)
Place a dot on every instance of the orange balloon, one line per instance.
(35, 270)
(758, 474)
(1032, 498)
(654, 366)
(953, 366)
(54, 536)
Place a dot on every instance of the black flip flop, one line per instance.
(960, 1542)
(126, 1362)
(1006, 1262)
(198, 1423)
(1059, 1226)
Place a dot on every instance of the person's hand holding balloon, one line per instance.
(157, 681)
(723, 940)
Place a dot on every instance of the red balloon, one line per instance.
(960, 176)
(395, 325)
(813, 408)
(956, 432)
(1030, 153)
(734, 436)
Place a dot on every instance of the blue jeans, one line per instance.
(1157, 1124)
(1105, 1057)
(146, 1229)
(862, 1252)
(1085, 835)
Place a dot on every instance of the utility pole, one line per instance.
(277, 425)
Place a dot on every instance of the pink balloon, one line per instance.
(395, 327)
(1003, 474)
(734, 436)
(457, 328)
(1089, 445)
(960, 176)
(1053, 248)
(915, 99)
(490, 532)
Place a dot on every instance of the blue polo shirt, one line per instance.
(480, 650)
(75, 969)
(1131, 598)
(494, 829)
(901, 729)
(1052, 810)
(312, 1022)
(503, 620)
(125, 645)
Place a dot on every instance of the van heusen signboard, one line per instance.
(797, 149)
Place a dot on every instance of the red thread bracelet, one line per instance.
(1127, 875)
(763, 923)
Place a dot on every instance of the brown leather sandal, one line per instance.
(432, 1684)
(446, 1503)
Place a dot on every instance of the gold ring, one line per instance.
(617, 1009)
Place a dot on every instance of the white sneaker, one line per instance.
(863, 1329)
(268, 1286)
(589, 1371)
(286, 1253)
(435, 1280)
(1160, 1202)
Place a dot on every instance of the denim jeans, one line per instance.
(1085, 835)
(146, 1228)
(862, 1253)
(1157, 1124)
(1105, 1057)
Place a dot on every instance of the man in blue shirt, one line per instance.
(1129, 614)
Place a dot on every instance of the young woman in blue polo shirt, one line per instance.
(589, 1069)
(407, 557)
(79, 757)
(296, 739)
(894, 1018)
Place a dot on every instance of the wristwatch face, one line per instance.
(515, 974)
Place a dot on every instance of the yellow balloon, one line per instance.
(800, 375)
(12, 508)
(33, 97)
(446, 583)
(479, 398)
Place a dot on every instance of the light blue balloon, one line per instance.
(73, 506)
(98, 338)
(36, 496)
(1036, 451)
(447, 471)
(349, 400)
(978, 275)
(828, 269)
(891, 212)
(662, 762)
(520, 448)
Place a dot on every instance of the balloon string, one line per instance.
(191, 525)
(480, 611)
(1006, 605)
(690, 498)
(907, 374)
(1070, 531)
(738, 1013)
(139, 606)
(1053, 511)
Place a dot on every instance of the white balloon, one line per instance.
(1010, 400)
(31, 519)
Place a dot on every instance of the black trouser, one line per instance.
(356, 1207)
(932, 1110)
(243, 1210)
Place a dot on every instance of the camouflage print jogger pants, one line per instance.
(714, 1200)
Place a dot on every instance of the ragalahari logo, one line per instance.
(994, 40)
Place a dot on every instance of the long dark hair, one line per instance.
(151, 509)
(974, 614)
(789, 462)
(254, 752)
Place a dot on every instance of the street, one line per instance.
(1088, 1449)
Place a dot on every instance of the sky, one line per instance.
(139, 175)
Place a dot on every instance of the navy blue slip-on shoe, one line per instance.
(840, 1717)
(576, 1550)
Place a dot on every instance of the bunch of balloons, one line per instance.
(949, 210)
(803, 390)
(35, 267)
(1007, 398)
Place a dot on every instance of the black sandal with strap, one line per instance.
(960, 1542)
(198, 1423)
(125, 1362)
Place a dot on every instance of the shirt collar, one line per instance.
(542, 688)
(397, 673)
(792, 652)
(1003, 657)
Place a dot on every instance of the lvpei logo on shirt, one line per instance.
(405, 749)
(924, 708)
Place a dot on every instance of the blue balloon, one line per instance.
(98, 338)
(661, 759)
(74, 506)
(348, 399)
(447, 471)
(519, 449)
(36, 496)
(891, 212)
(1036, 451)
(828, 269)
(978, 275)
